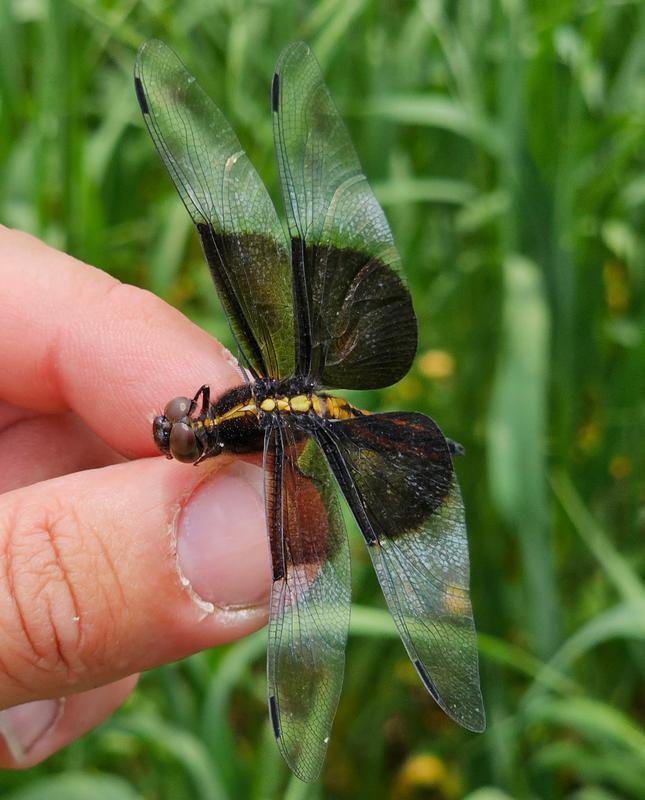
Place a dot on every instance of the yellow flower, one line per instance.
(426, 771)
(436, 364)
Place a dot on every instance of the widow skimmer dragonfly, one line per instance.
(325, 306)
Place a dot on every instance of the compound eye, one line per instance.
(161, 428)
(183, 443)
(178, 408)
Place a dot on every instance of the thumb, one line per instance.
(111, 571)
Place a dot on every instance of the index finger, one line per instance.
(74, 338)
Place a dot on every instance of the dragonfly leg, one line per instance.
(215, 450)
(205, 392)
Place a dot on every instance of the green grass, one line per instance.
(506, 141)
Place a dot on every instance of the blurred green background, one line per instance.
(506, 141)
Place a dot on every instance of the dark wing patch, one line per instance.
(275, 91)
(273, 716)
(356, 328)
(396, 474)
(141, 96)
(310, 599)
(241, 235)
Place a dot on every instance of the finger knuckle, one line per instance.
(43, 618)
(134, 303)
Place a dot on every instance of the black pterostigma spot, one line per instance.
(141, 97)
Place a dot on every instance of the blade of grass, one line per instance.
(516, 432)
(424, 190)
(215, 726)
(594, 720)
(437, 112)
(189, 752)
(620, 573)
(77, 786)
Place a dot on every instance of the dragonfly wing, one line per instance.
(355, 326)
(310, 598)
(396, 473)
(241, 234)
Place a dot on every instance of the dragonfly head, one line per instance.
(174, 432)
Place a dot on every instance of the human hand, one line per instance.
(109, 560)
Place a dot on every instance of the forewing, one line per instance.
(355, 326)
(310, 599)
(241, 235)
(396, 474)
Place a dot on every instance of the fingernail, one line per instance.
(25, 725)
(222, 549)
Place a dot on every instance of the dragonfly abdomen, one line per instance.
(322, 405)
(243, 401)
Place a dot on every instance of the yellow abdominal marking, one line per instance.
(240, 410)
(300, 403)
(337, 408)
(328, 407)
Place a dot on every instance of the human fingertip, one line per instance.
(33, 731)
(222, 550)
(25, 725)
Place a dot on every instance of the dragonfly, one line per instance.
(318, 306)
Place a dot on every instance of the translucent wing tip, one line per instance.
(303, 764)
(476, 722)
(147, 50)
(295, 51)
(304, 770)
(473, 717)
(152, 45)
(479, 725)
(151, 51)
(146, 47)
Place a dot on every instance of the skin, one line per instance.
(91, 517)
